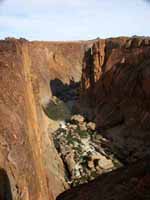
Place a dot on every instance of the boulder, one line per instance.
(105, 163)
(77, 119)
(69, 159)
(91, 126)
(72, 126)
(83, 126)
(91, 164)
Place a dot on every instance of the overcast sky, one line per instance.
(73, 19)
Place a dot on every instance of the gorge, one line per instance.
(86, 96)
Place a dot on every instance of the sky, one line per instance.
(73, 19)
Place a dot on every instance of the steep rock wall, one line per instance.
(115, 85)
(27, 153)
(115, 92)
(19, 157)
(116, 82)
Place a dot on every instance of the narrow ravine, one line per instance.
(86, 154)
(85, 151)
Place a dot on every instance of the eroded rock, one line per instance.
(91, 126)
(78, 119)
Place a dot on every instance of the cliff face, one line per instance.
(116, 78)
(27, 153)
(115, 91)
(115, 86)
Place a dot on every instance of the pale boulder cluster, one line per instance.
(82, 150)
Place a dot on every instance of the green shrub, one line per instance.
(83, 134)
(57, 110)
(69, 139)
(78, 149)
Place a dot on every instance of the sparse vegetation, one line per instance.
(57, 110)
(77, 146)
(82, 134)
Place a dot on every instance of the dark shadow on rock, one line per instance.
(65, 92)
(118, 101)
(130, 183)
(5, 188)
(119, 93)
(64, 100)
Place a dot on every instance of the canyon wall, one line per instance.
(116, 81)
(32, 168)
(115, 86)
(115, 93)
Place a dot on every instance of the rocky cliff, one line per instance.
(115, 83)
(116, 78)
(27, 154)
(115, 93)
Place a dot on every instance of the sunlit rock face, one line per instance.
(27, 153)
